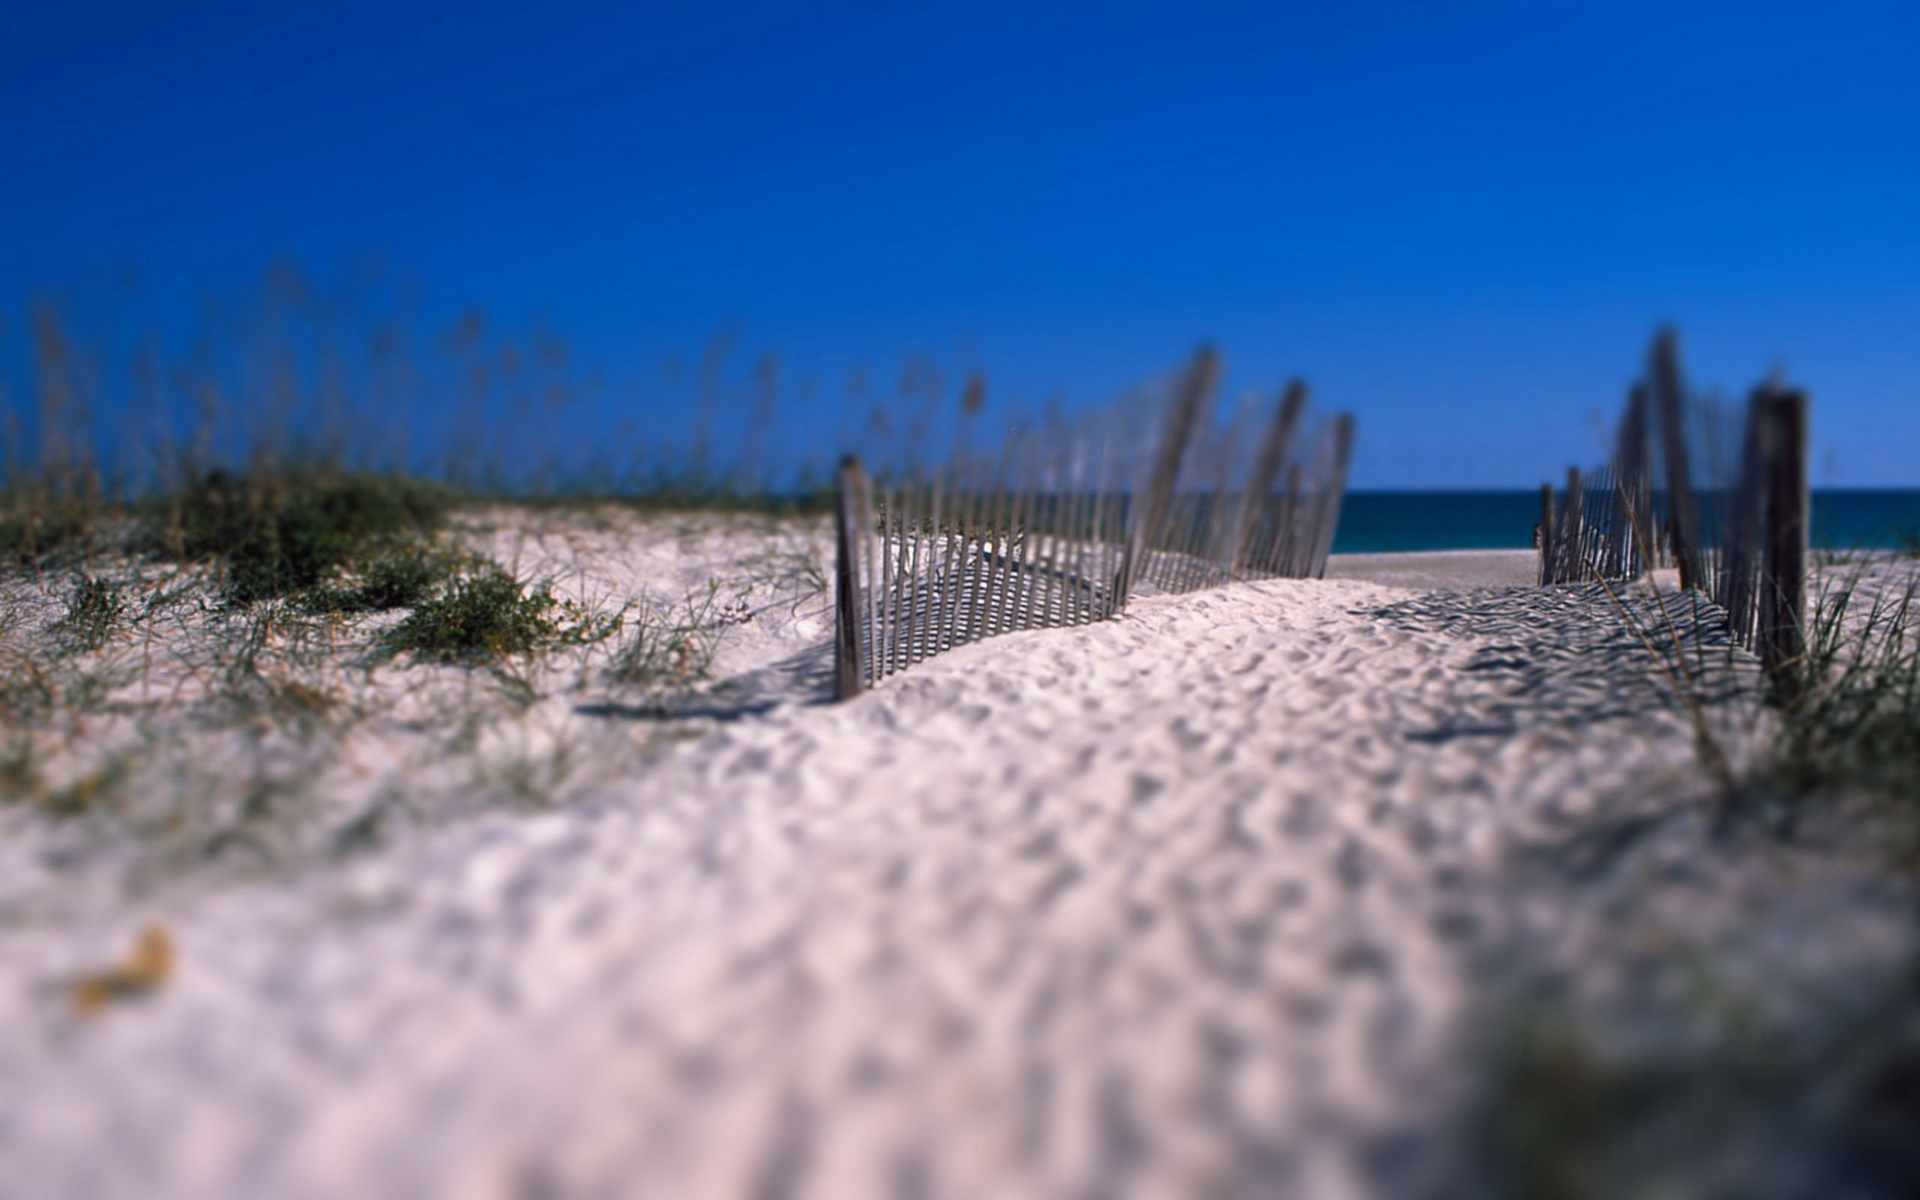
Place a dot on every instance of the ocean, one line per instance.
(1380, 522)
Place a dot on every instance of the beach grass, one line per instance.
(40, 524)
(488, 615)
(281, 533)
(95, 609)
(1808, 775)
(1849, 720)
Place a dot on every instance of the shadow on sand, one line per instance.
(805, 678)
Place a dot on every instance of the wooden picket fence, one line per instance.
(1060, 524)
(1588, 531)
(1720, 496)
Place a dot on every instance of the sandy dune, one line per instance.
(1188, 903)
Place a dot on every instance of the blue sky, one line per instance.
(1462, 221)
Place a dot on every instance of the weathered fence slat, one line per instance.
(1546, 534)
(1783, 595)
(1150, 522)
(1633, 468)
(1286, 556)
(1266, 470)
(852, 510)
(914, 514)
(1668, 390)
(970, 491)
(1335, 494)
(1744, 519)
(1570, 517)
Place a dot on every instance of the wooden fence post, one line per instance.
(1568, 544)
(1783, 591)
(1633, 474)
(1266, 469)
(853, 513)
(1329, 517)
(1546, 534)
(1669, 397)
(1150, 515)
(1742, 555)
(1286, 553)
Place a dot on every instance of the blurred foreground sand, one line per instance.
(1191, 903)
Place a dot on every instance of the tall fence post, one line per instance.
(1329, 517)
(1546, 534)
(1632, 472)
(1266, 470)
(1195, 391)
(1742, 553)
(1567, 545)
(853, 512)
(1288, 536)
(1669, 398)
(1783, 590)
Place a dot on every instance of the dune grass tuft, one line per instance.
(479, 619)
(1851, 720)
(488, 616)
(669, 648)
(39, 524)
(95, 609)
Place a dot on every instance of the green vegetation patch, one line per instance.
(283, 534)
(401, 575)
(36, 524)
(489, 616)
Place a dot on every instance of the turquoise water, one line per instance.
(1373, 522)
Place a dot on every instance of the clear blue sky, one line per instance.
(1460, 220)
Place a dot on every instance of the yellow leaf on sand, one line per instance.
(145, 968)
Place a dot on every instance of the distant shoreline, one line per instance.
(1393, 522)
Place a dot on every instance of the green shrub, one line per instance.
(479, 619)
(490, 615)
(404, 576)
(401, 576)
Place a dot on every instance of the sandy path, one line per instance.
(1443, 569)
(1184, 904)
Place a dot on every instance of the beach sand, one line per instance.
(1202, 901)
(1447, 570)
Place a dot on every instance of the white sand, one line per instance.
(1189, 903)
(1441, 568)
